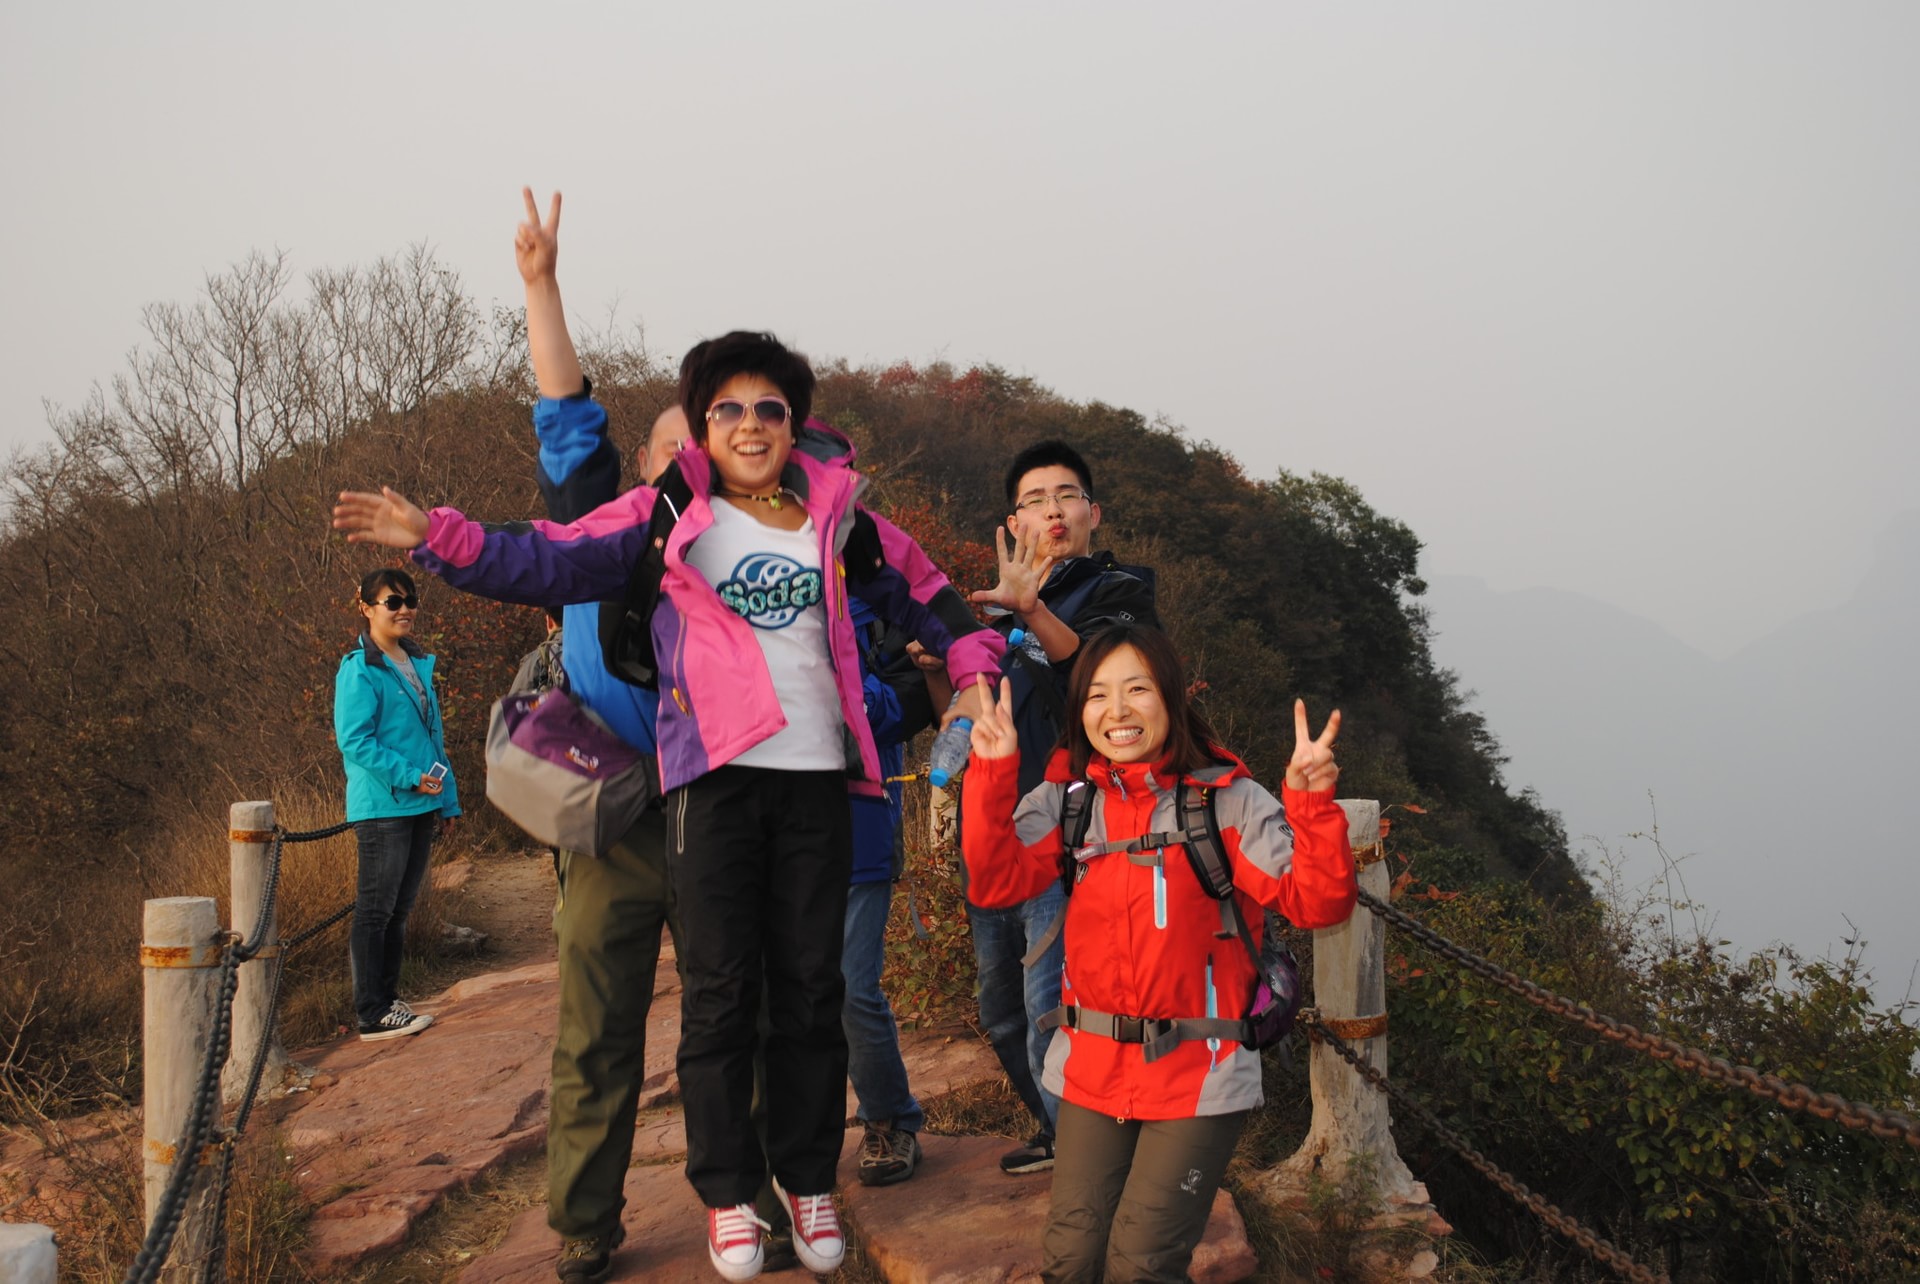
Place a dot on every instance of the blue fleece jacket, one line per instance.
(385, 740)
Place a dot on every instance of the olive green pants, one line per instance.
(607, 924)
(1130, 1200)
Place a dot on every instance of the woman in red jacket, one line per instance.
(1144, 1139)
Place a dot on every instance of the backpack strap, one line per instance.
(1076, 814)
(862, 553)
(626, 626)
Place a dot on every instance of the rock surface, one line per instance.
(391, 1127)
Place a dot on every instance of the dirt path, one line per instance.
(509, 896)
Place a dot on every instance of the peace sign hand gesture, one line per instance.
(993, 733)
(1022, 571)
(1312, 768)
(536, 246)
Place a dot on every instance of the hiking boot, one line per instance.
(395, 1022)
(733, 1241)
(583, 1261)
(1034, 1157)
(817, 1236)
(887, 1154)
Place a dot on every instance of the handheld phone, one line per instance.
(438, 771)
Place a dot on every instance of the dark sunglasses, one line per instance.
(771, 412)
(393, 601)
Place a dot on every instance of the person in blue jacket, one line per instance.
(400, 790)
(902, 696)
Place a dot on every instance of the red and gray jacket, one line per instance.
(716, 696)
(1141, 937)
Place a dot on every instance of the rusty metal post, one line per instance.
(1350, 1117)
(180, 954)
(250, 840)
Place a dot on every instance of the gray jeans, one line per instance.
(1130, 1200)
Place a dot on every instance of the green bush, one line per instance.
(1722, 1184)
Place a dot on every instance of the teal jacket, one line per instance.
(385, 739)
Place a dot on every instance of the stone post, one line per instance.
(1350, 1117)
(250, 840)
(26, 1253)
(180, 953)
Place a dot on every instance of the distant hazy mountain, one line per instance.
(1781, 774)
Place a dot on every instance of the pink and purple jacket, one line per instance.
(716, 696)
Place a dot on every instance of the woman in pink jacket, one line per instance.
(762, 723)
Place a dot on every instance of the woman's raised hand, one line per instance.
(536, 245)
(1312, 768)
(386, 518)
(993, 733)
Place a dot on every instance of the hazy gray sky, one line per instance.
(1620, 299)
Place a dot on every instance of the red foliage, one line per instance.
(968, 564)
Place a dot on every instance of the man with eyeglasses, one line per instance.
(1057, 591)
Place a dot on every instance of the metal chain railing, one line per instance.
(203, 1115)
(1600, 1249)
(1889, 1125)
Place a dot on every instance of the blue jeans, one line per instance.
(393, 860)
(1012, 997)
(873, 1041)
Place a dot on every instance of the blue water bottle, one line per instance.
(952, 747)
(950, 750)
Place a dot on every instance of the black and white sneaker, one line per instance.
(398, 1020)
(1034, 1157)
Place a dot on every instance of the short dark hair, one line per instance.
(1046, 454)
(386, 577)
(712, 362)
(1190, 740)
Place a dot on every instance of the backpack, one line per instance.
(1276, 987)
(556, 770)
(626, 626)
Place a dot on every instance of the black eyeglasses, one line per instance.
(393, 601)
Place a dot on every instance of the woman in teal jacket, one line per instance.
(386, 719)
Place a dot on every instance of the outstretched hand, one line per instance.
(1023, 569)
(993, 733)
(1312, 768)
(387, 519)
(536, 245)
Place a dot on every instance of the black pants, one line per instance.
(1130, 1200)
(760, 861)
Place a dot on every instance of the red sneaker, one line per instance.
(733, 1241)
(817, 1237)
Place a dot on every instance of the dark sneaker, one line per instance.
(1034, 1157)
(887, 1155)
(395, 1022)
(777, 1252)
(583, 1261)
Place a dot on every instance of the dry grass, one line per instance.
(70, 1062)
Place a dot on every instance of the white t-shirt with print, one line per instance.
(774, 580)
